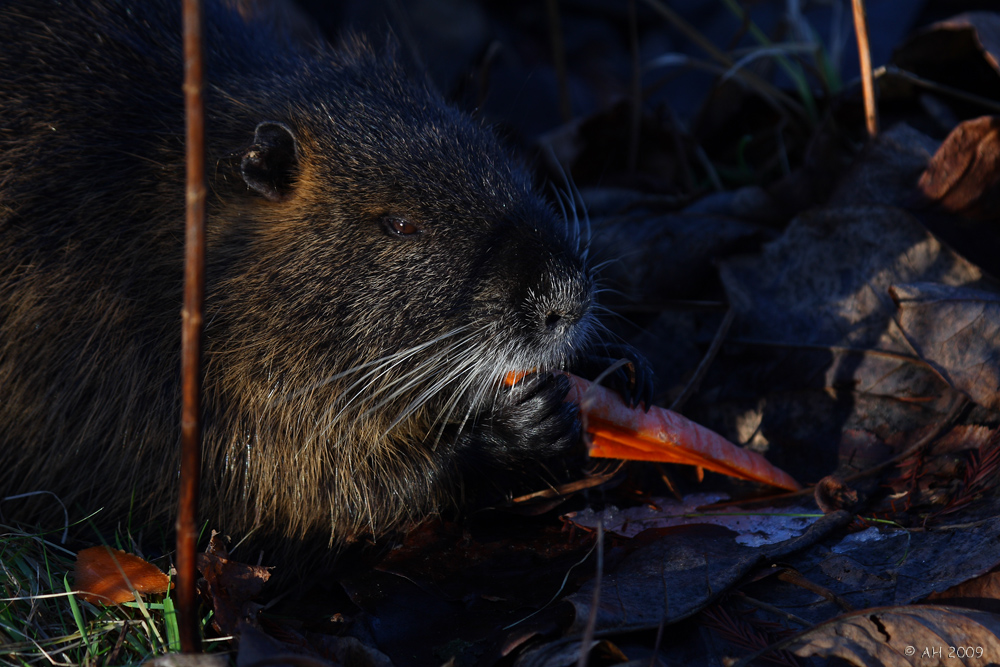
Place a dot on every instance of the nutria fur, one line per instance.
(377, 262)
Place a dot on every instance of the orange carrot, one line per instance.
(620, 432)
(514, 377)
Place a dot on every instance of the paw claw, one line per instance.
(633, 381)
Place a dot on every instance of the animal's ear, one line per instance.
(270, 164)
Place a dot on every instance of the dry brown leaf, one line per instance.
(108, 576)
(957, 331)
(923, 635)
(230, 585)
(982, 592)
(832, 494)
(964, 174)
(962, 438)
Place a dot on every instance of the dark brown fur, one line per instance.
(352, 373)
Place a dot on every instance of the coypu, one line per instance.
(377, 262)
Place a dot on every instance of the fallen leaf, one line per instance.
(230, 585)
(885, 566)
(764, 526)
(826, 280)
(982, 592)
(108, 576)
(887, 169)
(962, 438)
(813, 313)
(912, 635)
(832, 493)
(964, 174)
(962, 51)
(680, 573)
(957, 331)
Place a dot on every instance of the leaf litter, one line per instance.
(863, 355)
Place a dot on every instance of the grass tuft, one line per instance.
(42, 622)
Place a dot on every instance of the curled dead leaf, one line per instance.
(229, 585)
(963, 175)
(108, 576)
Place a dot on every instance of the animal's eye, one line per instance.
(400, 226)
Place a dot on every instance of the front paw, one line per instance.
(633, 380)
(529, 433)
(536, 419)
(528, 429)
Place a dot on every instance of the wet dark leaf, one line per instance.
(450, 593)
(256, 647)
(963, 51)
(887, 170)
(883, 566)
(765, 526)
(678, 575)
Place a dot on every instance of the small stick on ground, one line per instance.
(706, 361)
(865, 58)
(595, 600)
(194, 290)
(940, 88)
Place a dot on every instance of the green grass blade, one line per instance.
(792, 69)
(170, 621)
(78, 616)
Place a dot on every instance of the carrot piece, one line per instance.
(513, 377)
(618, 431)
(107, 576)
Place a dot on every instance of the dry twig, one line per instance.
(865, 59)
(194, 291)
